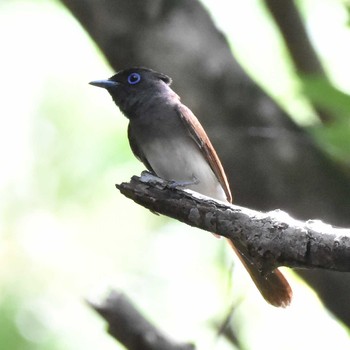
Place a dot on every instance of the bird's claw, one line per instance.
(173, 184)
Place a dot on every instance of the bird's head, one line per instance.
(133, 87)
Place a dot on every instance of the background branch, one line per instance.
(272, 239)
(130, 327)
(303, 55)
(293, 31)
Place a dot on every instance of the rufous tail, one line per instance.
(273, 287)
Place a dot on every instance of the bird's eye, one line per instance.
(134, 78)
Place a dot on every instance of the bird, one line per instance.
(169, 140)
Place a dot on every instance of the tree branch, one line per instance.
(302, 53)
(290, 24)
(131, 328)
(272, 239)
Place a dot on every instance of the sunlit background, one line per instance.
(66, 233)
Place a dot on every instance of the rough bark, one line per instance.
(270, 162)
(272, 239)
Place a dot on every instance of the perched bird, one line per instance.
(167, 137)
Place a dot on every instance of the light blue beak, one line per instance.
(106, 84)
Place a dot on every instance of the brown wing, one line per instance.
(201, 138)
(273, 287)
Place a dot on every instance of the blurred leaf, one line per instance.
(9, 333)
(16, 333)
(322, 93)
(347, 9)
(334, 137)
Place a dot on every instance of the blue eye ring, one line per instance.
(134, 78)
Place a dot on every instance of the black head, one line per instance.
(132, 87)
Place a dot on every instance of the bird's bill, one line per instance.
(106, 84)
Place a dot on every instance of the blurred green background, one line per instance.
(66, 233)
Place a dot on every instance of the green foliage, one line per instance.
(9, 332)
(323, 93)
(23, 322)
(347, 7)
(334, 137)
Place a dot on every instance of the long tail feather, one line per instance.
(273, 287)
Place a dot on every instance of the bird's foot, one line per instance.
(174, 184)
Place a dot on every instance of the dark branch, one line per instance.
(304, 57)
(291, 26)
(129, 327)
(272, 239)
